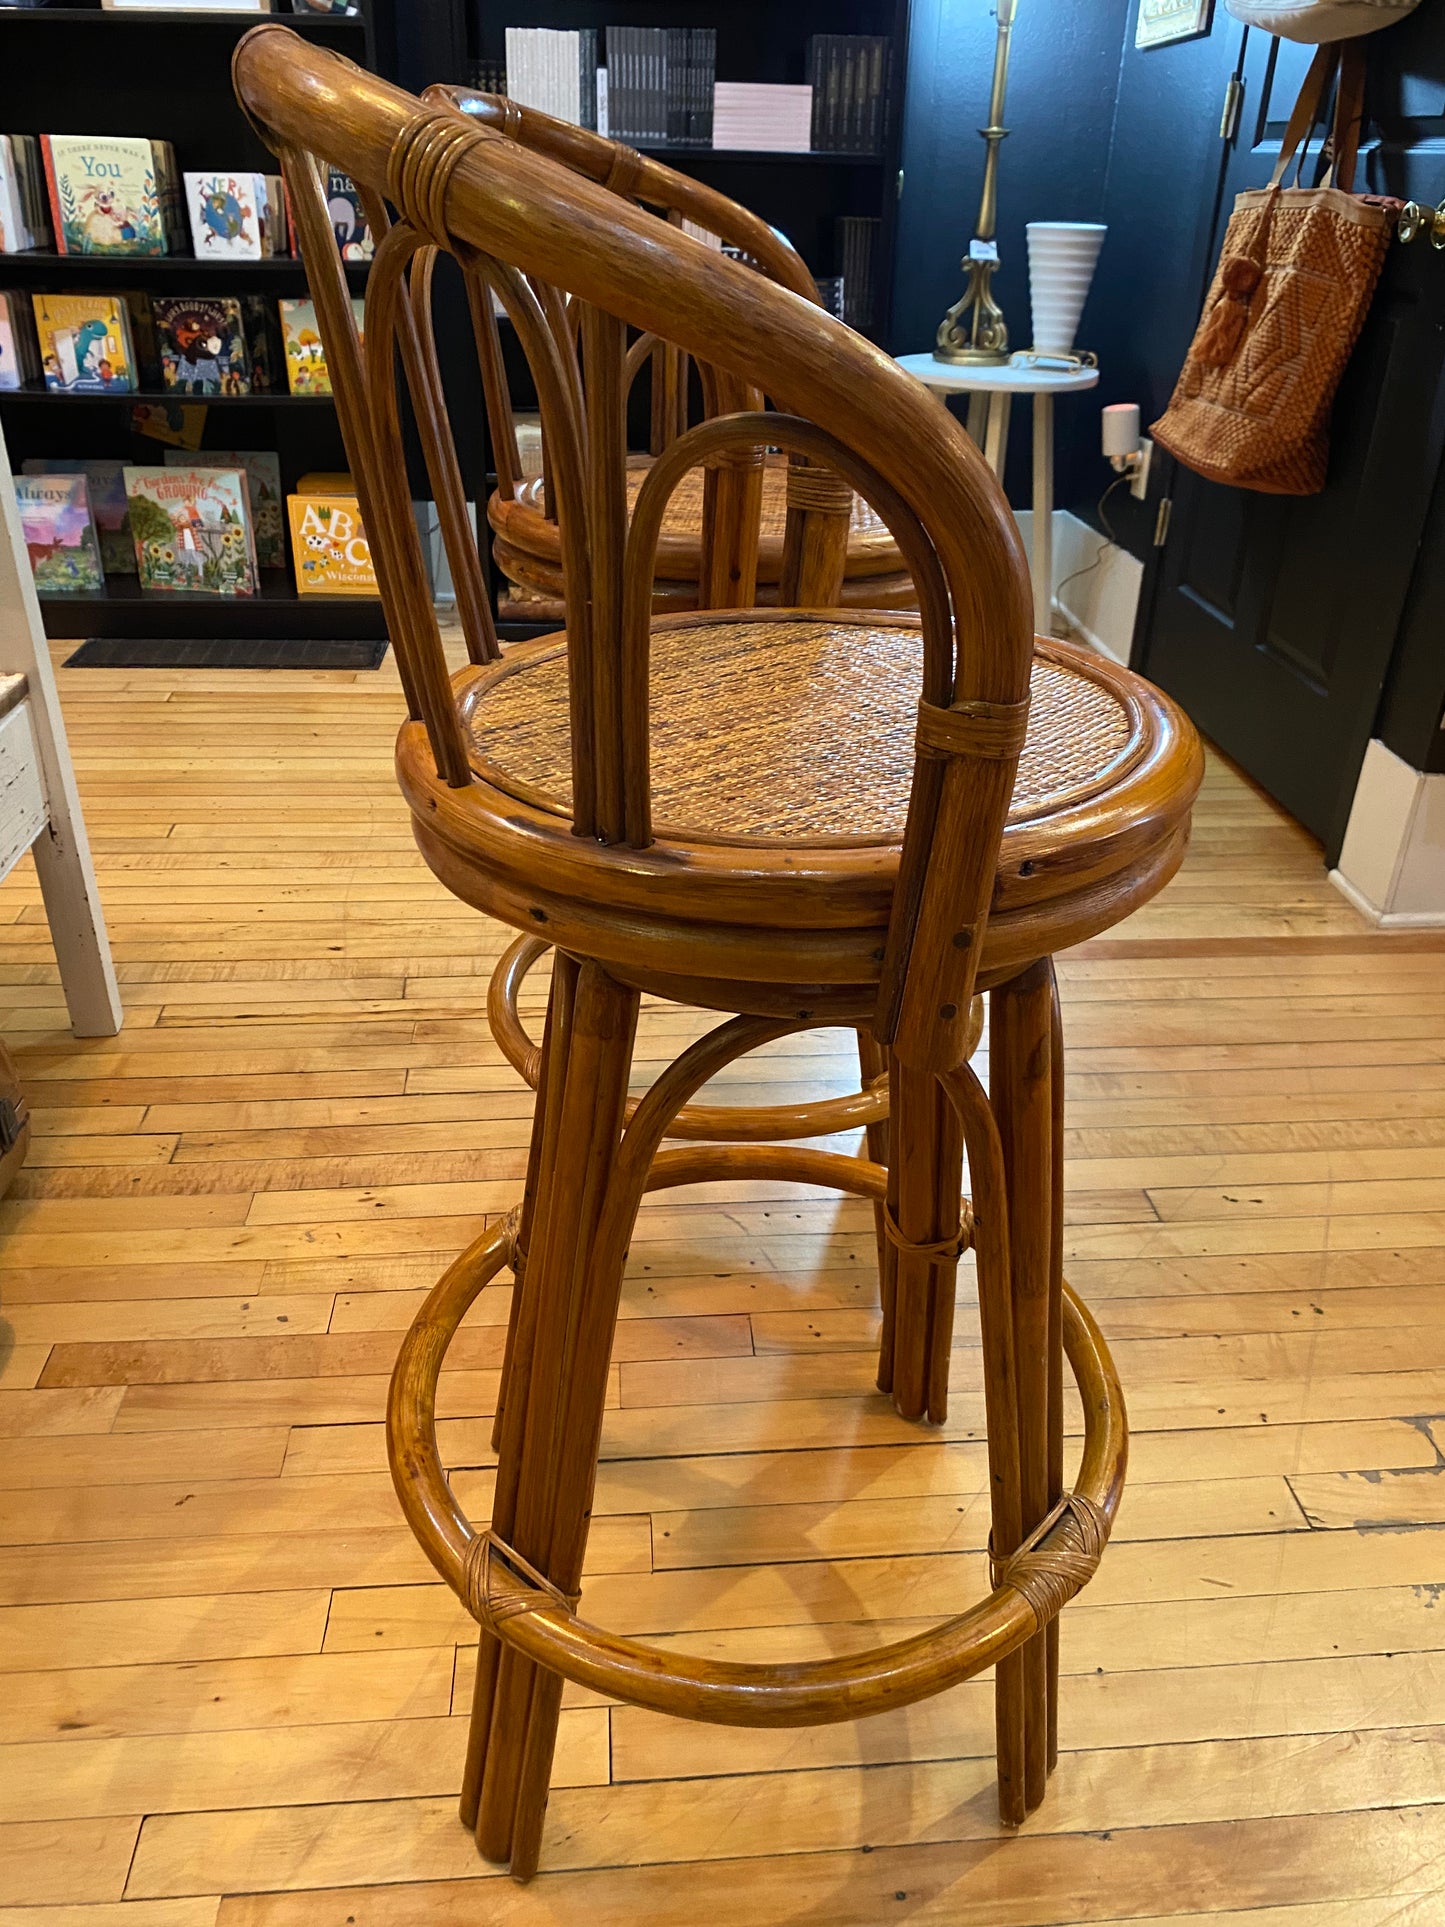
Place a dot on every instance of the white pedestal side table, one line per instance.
(990, 392)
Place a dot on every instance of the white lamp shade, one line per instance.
(1062, 257)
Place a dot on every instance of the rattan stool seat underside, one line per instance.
(794, 725)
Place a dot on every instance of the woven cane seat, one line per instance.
(795, 727)
(781, 751)
(528, 538)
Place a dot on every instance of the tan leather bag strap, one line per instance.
(1344, 147)
(1306, 111)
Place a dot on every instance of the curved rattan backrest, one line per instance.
(649, 183)
(639, 177)
(518, 224)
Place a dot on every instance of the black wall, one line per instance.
(1063, 77)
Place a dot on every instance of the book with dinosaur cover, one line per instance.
(85, 343)
(59, 534)
(105, 488)
(262, 470)
(329, 549)
(192, 529)
(202, 345)
(306, 372)
(105, 194)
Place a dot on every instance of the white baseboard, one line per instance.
(1099, 602)
(1386, 919)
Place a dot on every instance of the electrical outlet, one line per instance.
(1139, 480)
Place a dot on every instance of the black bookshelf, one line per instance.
(167, 75)
(802, 194)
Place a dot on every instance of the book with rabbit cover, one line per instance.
(105, 194)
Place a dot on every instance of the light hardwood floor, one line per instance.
(232, 1693)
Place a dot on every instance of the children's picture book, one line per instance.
(179, 424)
(348, 218)
(262, 469)
(306, 372)
(85, 343)
(105, 194)
(19, 355)
(192, 529)
(110, 511)
(202, 345)
(263, 344)
(226, 212)
(59, 534)
(329, 549)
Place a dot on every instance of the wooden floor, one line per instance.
(232, 1692)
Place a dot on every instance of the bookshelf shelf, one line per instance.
(131, 398)
(167, 76)
(321, 23)
(38, 265)
(125, 610)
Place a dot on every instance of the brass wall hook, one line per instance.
(1416, 220)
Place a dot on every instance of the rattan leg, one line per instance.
(540, 1152)
(548, 1489)
(1056, 1324)
(1020, 1045)
(872, 1063)
(925, 1179)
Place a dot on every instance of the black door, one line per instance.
(1272, 619)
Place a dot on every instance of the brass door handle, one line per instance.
(1416, 220)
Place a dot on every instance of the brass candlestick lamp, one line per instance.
(973, 330)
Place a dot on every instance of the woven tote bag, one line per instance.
(1294, 283)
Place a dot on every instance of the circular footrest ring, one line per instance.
(1030, 1586)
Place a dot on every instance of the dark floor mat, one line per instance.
(209, 652)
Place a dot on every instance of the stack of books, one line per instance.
(660, 85)
(850, 73)
(24, 200)
(855, 242)
(774, 120)
(554, 69)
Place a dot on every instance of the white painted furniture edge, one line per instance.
(990, 391)
(61, 848)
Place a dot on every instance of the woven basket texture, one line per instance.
(1261, 420)
(791, 726)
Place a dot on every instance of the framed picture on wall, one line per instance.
(1162, 21)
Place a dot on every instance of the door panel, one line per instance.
(1273, 619)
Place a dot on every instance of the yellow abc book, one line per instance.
(329, 549)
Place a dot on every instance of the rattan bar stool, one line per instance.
(834, 549)
(838, 551)
(792, 817)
